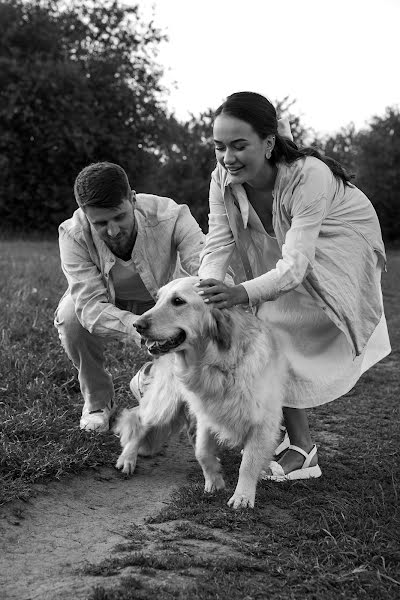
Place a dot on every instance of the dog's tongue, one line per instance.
(156, 348)
(164, 346)
(156, 344)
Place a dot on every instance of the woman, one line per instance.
(312, 254)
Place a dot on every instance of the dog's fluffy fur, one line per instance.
(225, 365)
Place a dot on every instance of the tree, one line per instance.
(78, 83)
(373, 156)
(343, 148)
(186, 164)
(299, 132)
(378, 173)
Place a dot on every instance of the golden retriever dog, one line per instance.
(225, 365)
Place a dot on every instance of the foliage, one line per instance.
(373, 156)
(299, 132)
(342, 147)
(79, 83)
(187, 164)
(378, 173)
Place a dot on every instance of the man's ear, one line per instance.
(133, 197)
(220, 328)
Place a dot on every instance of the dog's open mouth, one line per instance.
(156, 347)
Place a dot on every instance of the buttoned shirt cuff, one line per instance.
(289, 272)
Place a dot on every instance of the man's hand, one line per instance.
(134, 339)
(220, 294)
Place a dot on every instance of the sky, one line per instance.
(338, 59)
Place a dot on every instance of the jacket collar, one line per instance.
(239, 193)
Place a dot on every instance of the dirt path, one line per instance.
(45, 542)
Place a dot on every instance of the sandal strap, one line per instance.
(307, 457)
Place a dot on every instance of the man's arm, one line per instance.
(93, 308)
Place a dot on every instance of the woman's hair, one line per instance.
(257, 111)
(102, 184)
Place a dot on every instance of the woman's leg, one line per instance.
(296, 422)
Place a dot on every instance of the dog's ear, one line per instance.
(220, 328)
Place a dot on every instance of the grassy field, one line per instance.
(40, 403)
(337, 537)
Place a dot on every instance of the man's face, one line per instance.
(115, 226)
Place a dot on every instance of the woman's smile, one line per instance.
(233, 170)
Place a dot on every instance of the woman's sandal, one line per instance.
(284, 445)
(306, 472)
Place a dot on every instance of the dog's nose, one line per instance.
(141, 325)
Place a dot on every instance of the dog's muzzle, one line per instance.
(156, 347)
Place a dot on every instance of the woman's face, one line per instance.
(241, 151)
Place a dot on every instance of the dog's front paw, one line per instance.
(214, 484)
(126, 464)
(241, 501)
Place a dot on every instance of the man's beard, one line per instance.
(122, 247)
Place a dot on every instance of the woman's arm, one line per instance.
(308, 207)
(220, 243)
(189, 240)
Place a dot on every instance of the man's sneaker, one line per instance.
(97, 420)
(141, 380)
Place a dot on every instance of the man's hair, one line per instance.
(101, 184)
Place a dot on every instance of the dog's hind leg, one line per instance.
(206, 454)
(259, 445)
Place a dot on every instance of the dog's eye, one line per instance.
(178, 301)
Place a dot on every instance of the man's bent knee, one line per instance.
(70, 331)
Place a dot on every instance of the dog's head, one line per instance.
(181, 319)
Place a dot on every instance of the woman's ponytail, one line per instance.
(287, 150)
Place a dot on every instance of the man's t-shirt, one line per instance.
(130, 292)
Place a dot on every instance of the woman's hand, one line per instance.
(220, 294)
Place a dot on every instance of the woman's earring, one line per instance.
(268, 154)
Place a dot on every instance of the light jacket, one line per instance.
(168, 245)
(329, 237)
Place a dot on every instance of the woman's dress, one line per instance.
(320, 363)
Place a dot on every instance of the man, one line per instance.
(116, 251)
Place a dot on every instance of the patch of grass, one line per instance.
(337, 537)
(328, 539)
(40, 401)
